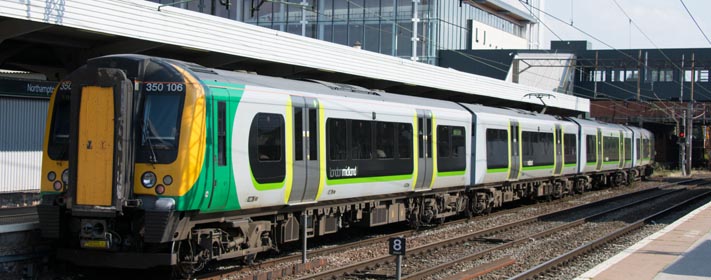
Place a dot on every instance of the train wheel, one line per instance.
(189, 259)
(249, 259)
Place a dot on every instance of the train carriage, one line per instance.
(164, 162)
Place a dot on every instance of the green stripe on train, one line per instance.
(450, 173)
(343, 181)
(539, 167)
(497, 170)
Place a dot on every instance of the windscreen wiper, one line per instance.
(152, 157)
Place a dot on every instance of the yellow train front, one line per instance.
(124, 154)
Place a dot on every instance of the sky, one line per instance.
(665, 22)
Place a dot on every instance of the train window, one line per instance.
(429, 137)
(404, 140)
(160, 121)
(450, 148)
(639, 149)
(570, 148)
(458, 142)
(221, 133)
(337, 139)
(266, 148)
(591, 148)
(361, 145)
(313, 134)
(59, 140)
(420, 133)
(628, 149)
(497, 148)
(443, 143)
(269, 136)
(384, 140)
(537, 148)
(611, 148)
(298, 133)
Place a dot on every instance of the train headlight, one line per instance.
(160, 189)
(168, 180)
(148, 179)
(65, 176)
(57, 186)
(51, 176)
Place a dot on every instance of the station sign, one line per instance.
(26, 88)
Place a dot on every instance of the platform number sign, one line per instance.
(397, 246)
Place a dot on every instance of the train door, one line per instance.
(622, 150)
(424, 143)
(306, 150)
(222, 175)
(514, 145)
(100, 133)
(558, 142)
(599, 151)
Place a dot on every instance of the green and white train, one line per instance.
(156, 162)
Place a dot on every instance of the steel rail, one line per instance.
(422, 274)
(325, 251)
(586, 248)
(375, 262)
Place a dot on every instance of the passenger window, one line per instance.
(404, 141)
(569, 148)
(361, 133)
(591, 150)
(384, 140)
(639, 149)
(611, 148)
(313, 135)
(628, 149)
(443, 144)
(266, 148)
(269, 136)
(497, 148)
(298, 133)
(458, 142)
(337, 136)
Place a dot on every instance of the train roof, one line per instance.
(314, 86)
(519, 113)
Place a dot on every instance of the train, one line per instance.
(150, 161)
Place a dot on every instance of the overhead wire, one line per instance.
(695, 22)
(581, 69)
(661, 51)
(610, 46)
(472, 57)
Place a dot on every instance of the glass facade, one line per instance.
(382, 26)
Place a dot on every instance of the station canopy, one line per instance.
(54, 38)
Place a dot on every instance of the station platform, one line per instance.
(681, 250)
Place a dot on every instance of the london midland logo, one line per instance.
(344, 172)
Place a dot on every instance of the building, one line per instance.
(387, 26)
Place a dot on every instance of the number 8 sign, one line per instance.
(397, 246)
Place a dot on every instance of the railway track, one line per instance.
(17, 215)
(265, 265)
(489, 238)
(551, 266)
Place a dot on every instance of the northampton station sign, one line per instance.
(26, 88)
